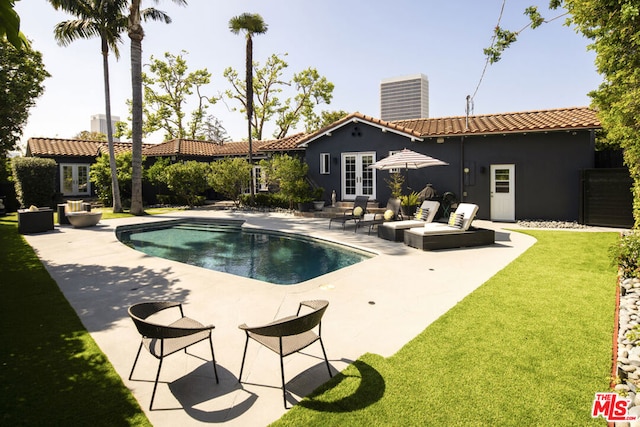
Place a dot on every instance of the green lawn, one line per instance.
(529, 347)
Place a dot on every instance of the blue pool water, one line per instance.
(268, 256)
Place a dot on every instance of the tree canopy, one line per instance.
(310, 87)
(21, 82)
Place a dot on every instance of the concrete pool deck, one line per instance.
(376, 306)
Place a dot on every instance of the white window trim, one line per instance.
(325, 163)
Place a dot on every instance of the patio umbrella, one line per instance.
(407, 159)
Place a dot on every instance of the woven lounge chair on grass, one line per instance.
(391, 213)
(289, 335)
(356, 213)
(394, 230)
(162, 340)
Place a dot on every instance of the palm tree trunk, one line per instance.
(249, 79)
(136, 34)
(115, 189)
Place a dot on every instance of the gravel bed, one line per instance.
(529, 223)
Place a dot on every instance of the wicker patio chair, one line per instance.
(289, 335)
(163, 340)
(393, 205)
(349, 214)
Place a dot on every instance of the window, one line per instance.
(260, 179)
(325, 159)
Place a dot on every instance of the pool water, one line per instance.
(268, 256)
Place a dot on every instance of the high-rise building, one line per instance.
(405, 97)
(99, 124)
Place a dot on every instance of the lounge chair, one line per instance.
(289, 335)
(353, 214)
(456, 233)
(162, 340)
(394, 230)
(79, 215)
(391, 213)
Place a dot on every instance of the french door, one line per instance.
(74, 179)
(357, 178)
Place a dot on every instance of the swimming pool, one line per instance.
(225, 246)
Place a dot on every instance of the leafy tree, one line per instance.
(107, 20)
(86, 135)
(21, 76)
(311, 90)
(250, 24)
(167, 88)
(187, 180)
(10, 25)
(100, 176)
(327, 118)
(290, 175)
(136, 34)
(230, 177)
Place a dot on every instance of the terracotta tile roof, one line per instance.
(359, 117)
(55, 147)
(189, 147)
(528, 121)
(291, 142)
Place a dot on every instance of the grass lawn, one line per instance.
(529, 347)
(52, 372)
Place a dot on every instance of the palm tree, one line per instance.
(136, 34)
(250, 23)
(107, 20)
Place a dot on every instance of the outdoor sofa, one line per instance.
(394, 230)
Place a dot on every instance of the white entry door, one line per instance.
(74, 180)
(503, 194)
(357, 178)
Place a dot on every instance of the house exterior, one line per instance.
(515, 166)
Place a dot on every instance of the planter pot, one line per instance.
(318, 205)
(409, 211)
(305, 206)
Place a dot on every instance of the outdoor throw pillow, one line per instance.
(74, 205)
(357, 211)
(424, 215)
(388, 215)
(418, 214)
(456, 220)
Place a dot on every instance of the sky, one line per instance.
(353, 43)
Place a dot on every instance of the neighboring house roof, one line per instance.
(55, 147)
(193, 148)
(528, 121)
(359, 118)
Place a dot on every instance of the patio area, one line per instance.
(376, 306)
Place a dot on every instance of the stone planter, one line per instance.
(318, 205)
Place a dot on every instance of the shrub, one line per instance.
(268, 200)
(35, 181)
(187, 180)
(230, 177)
(290, 175)
(100, 175)
(625, 254)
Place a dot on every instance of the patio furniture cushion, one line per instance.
(74, 206)
(392, 230)
(456, 220)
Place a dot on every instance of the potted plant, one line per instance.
(410, 203)
(318, 201)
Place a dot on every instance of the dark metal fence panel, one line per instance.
(606, 198)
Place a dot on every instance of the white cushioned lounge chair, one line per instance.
(456, 233)
(394, 230)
